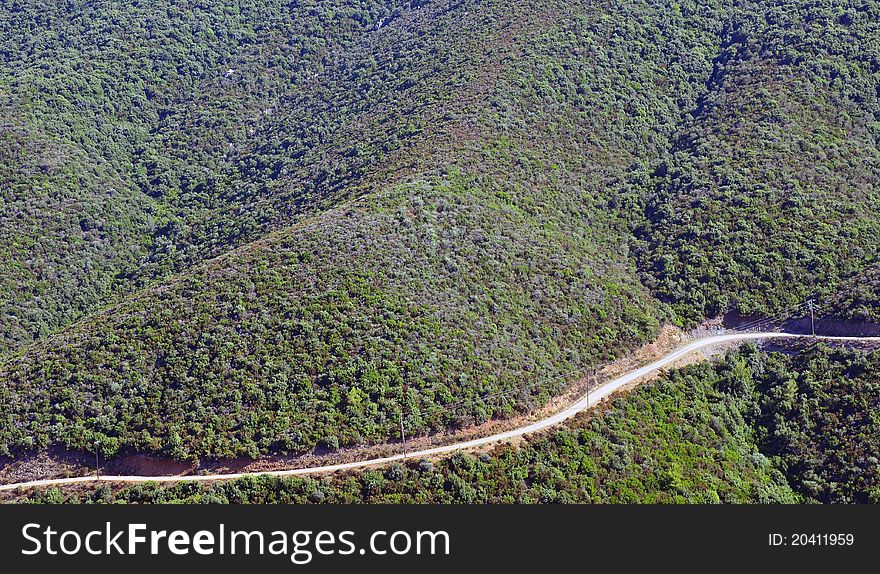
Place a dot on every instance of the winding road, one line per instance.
(585, 402)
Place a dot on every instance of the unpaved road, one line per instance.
(583, 403)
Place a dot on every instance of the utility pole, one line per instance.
(402, 433)
(97, 467)
(812, 318)
(590, 382)
(402, 403)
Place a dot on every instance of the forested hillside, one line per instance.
(770, 192)
(267, 227)
(755, 428)
(859, 298)
(493, 268)
(204, 125)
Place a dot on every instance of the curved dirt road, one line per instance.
(583, 403)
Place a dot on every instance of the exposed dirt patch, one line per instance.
(832, 326)
(825, 325)
(144, 465)
(53, 463)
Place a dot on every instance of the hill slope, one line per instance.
(495, 267)
(341, 211)
(755, 428)
(770, 193)
(208, 126)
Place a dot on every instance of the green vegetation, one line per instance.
(770, 192)
(859, 298)
(139, 139)
(230, 232)
(816, 417)
(752, 428)
(283, 348)
(494, 266)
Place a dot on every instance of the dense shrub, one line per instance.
(269, 229)
(753, 428)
